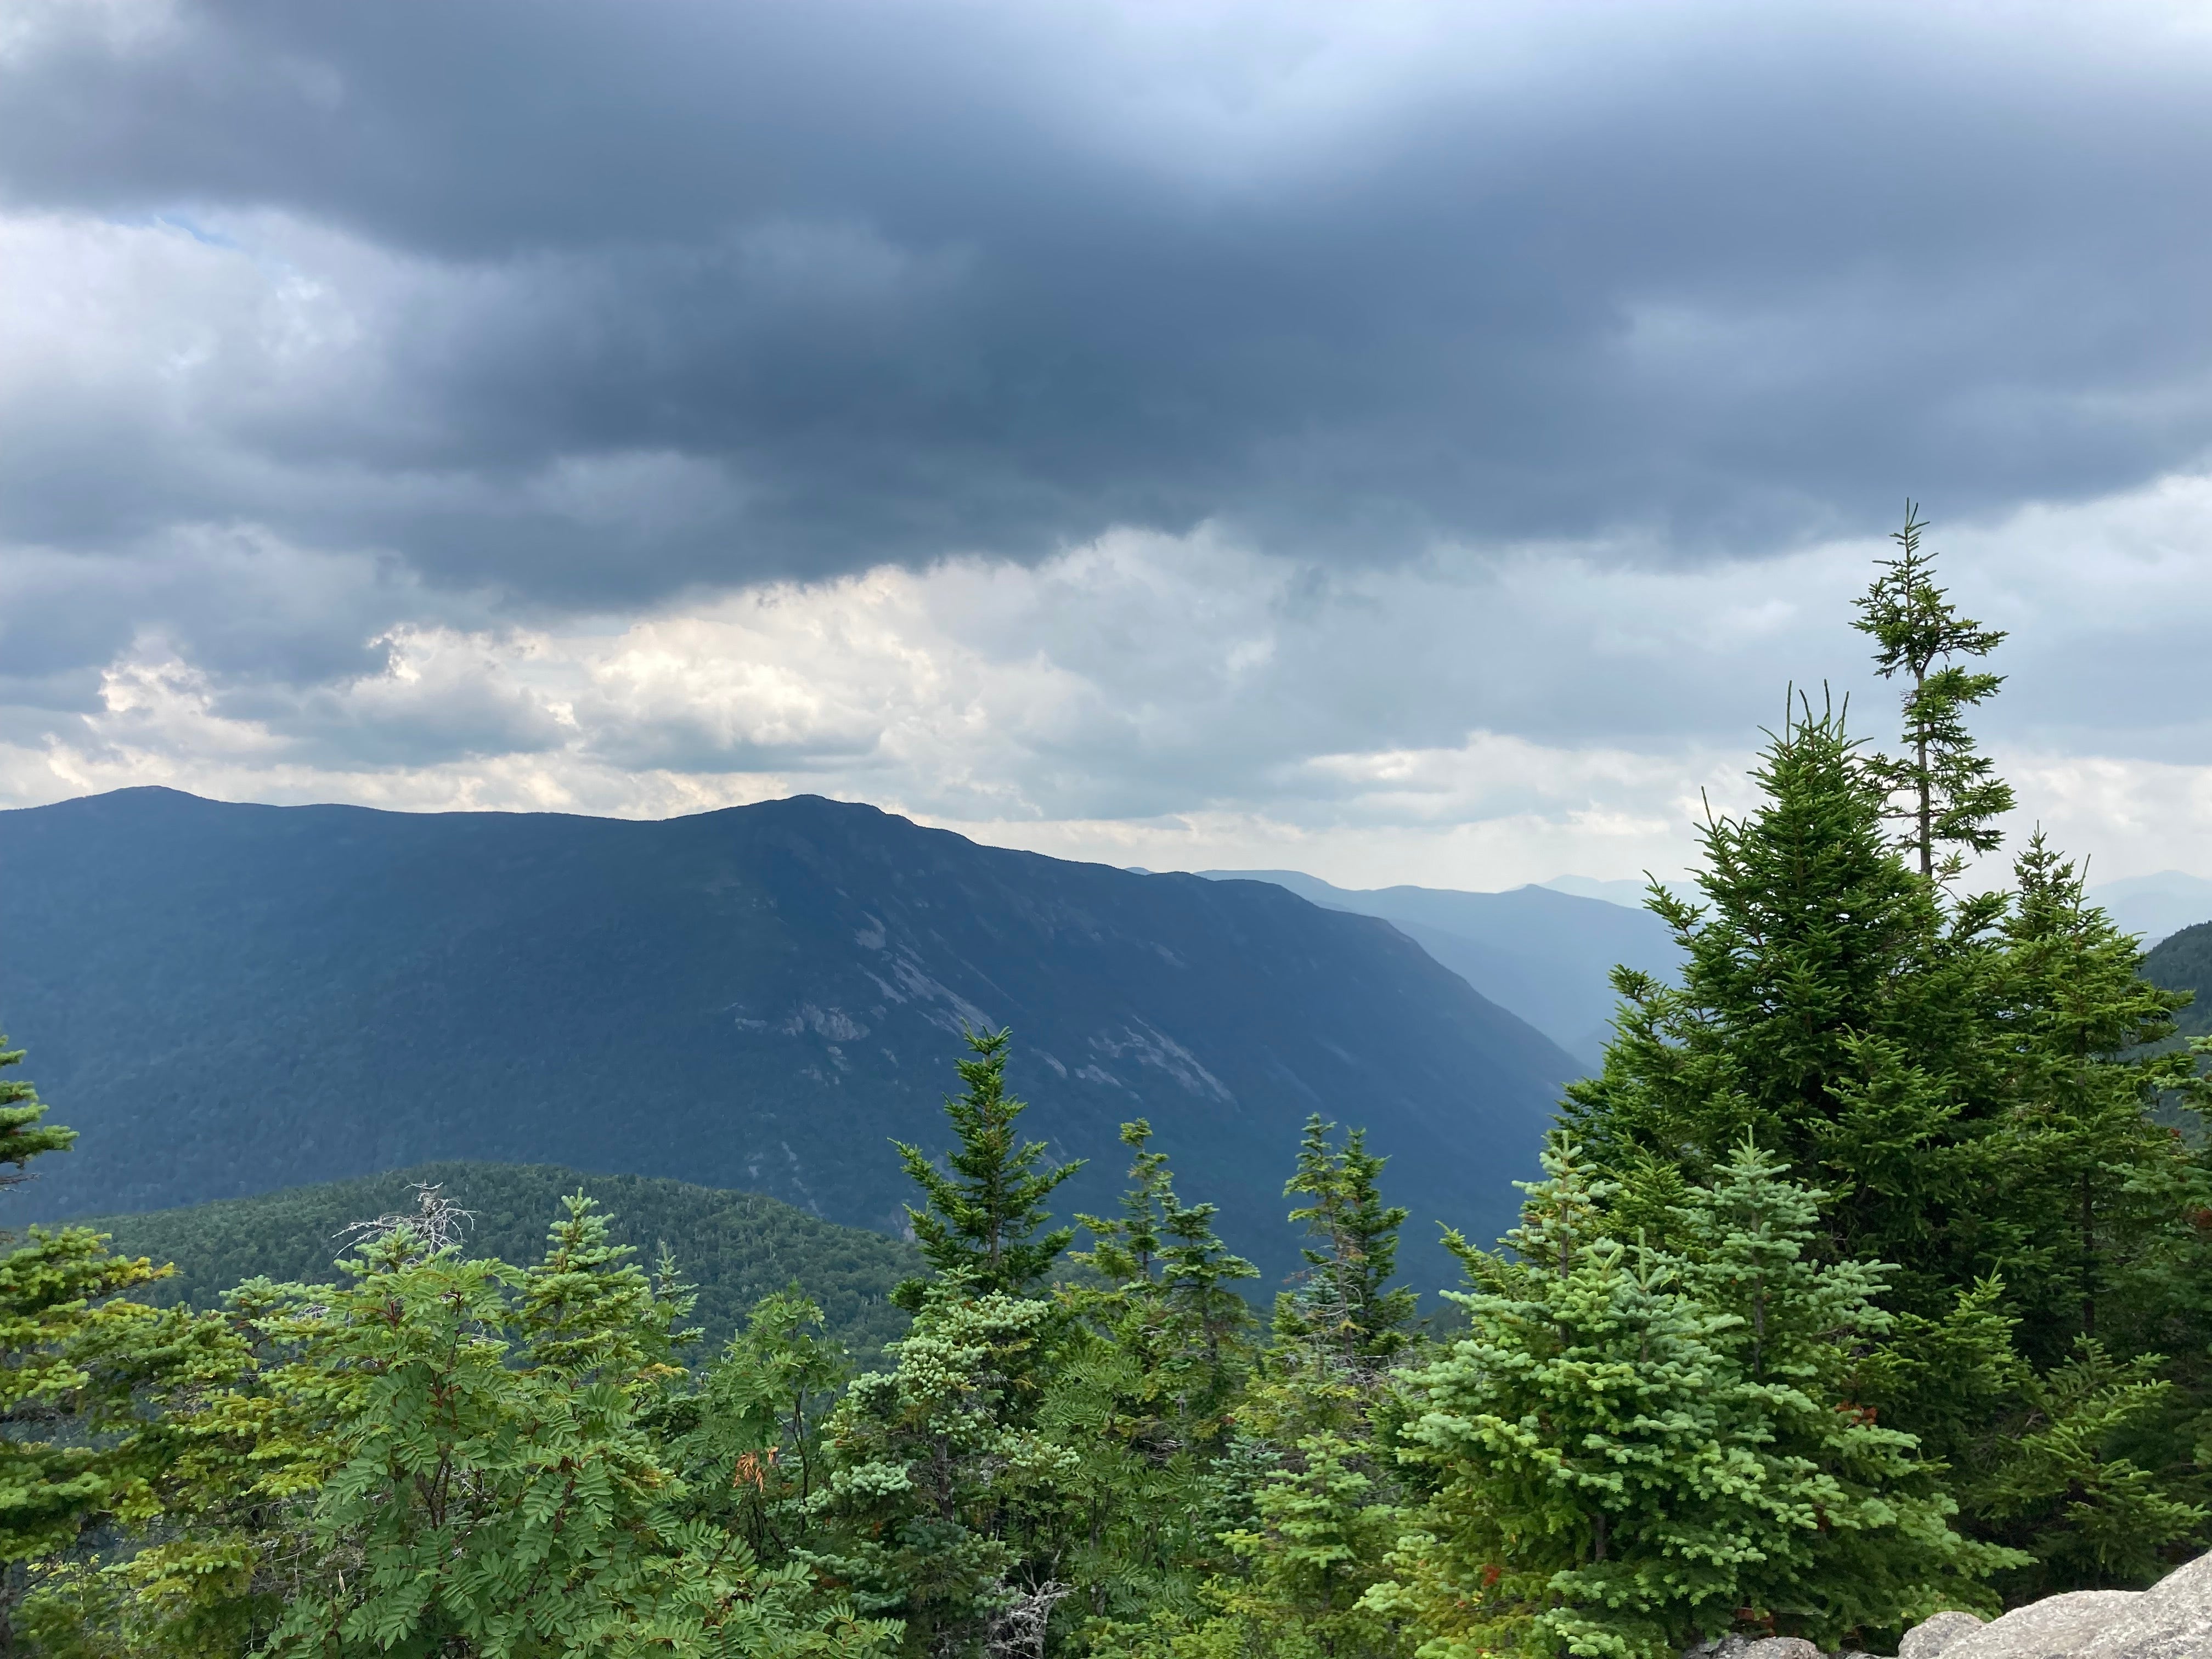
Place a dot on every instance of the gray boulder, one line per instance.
(1936, 1636)
(2172, 1619)
(1754, 1647)
(2057, 1627)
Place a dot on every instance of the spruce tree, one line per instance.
(24, 1132)
(1829, 1009)
(1146, 1395)
(1948, 793)
(1632, 1448)
(980, 1218)
(1973, 1080)
(1574, 1440)
(1345, 1302)
(84, 1372)
(1318, 1494)
(1168, 1307)
(1858, 1524)
(942, 1494)
(2090, 1184)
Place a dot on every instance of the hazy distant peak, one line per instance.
(1543, 953)
(2156, 906)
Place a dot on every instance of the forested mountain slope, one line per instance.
(1546, 955)
(734, 1246)
(2183, 962)
(230, 999)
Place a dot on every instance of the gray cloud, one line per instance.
(636, 298)
(1184, 435)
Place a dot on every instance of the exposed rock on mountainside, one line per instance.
(228, 999)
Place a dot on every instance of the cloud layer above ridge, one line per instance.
(514, 403)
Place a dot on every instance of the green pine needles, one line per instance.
(1947, 792)
(982, 1216)
(1632, 1444)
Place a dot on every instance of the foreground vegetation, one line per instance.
(1866, 1279)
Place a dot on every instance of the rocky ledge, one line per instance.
(2172, 1620)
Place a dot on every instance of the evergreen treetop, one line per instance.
(982, 1216)
(24, 1134)
(1171, 1301)
(1345, 1303)
(1829, 1009)
(1951, 793)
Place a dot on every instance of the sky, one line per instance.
(1404, 443)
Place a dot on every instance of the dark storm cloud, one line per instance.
(709, 294)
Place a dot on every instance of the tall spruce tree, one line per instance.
(1319, 1492)
(1144, 1398)
(982, 1216)
(1946, 791)
(1829, 1009)
(1964, 1076)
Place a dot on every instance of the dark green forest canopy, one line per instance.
(735, 1247)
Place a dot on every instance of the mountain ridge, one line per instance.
(226, 999)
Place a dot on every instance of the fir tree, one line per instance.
(1145, 1396)
(940, 1485)
(1319, 1494)
(1630, 1447)
(1857, 1535)
(981, 1218)
(1969, 1080)
(1345, 1302)
(2091, 1185)
(1828, 1009)
(24, 1132)
(1950, 792)
(84, 1372)
(1168, 1307)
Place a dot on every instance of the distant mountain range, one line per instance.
(735, 1247)
(2156, 906)
(226, 1000)
(1630, 894)
(1544, 954)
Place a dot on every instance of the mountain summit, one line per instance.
(230, 999)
